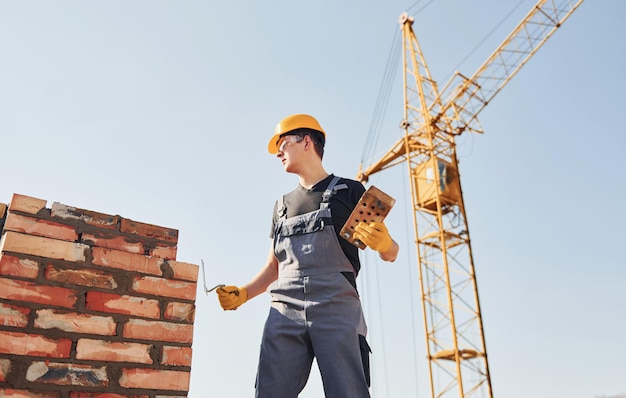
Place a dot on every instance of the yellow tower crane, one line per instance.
(455, 342)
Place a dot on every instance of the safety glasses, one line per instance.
(288, 139)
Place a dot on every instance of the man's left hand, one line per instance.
(375, 235)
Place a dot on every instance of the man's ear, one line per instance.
(308, 143)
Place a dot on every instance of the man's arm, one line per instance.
(232, 297)
(267, 275)
(392, 253)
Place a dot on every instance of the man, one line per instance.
(311, 275)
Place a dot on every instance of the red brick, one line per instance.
(170, 396)
(12, 393)
(185, 271)
(183, 312)
(15, 343)
(43, 247)
(128, 305)
(165, 252)
(127, 261)
(67, 374)
(112, 241)
(5, 368)
(165, 287)
(148, 230)
(27, 291)
(75, 323)
(26, 204)
(82, 277)
(153, 379)
(11, 315)
(34, 226)
(98, 350)
(176, 356)
(83, 394)
(13, 266)
(158, 331)
(99, 220)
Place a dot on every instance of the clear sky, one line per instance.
(160, 111)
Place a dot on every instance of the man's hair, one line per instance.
(317, 137)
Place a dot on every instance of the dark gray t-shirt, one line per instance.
(302, 200)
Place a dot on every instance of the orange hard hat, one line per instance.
(291, 123)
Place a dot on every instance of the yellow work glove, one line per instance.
(375, 235)
(231, 297)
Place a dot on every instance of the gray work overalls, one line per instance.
(315, 311)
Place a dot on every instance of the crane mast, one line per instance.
(455, 341)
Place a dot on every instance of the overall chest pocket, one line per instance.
(304, 226)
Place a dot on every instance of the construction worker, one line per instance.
(310, 274)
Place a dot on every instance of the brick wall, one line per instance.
(92, 305)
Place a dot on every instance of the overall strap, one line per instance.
(330, 191)
(281, 209)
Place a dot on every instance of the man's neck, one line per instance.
(309, 178)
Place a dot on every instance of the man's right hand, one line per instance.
(231, 297)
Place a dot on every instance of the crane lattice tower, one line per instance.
(455, 341)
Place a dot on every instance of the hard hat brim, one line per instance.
(272, 148)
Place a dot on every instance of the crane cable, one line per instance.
(391, 69)
(382, 101)
(368, 302)
(411, 278)
(384, 93)
(422, 8)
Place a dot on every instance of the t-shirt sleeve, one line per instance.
(274, 220)
(357, 192)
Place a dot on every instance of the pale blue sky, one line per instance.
(160, 111)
